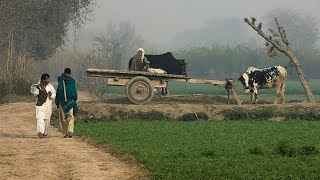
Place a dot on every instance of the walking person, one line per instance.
(66, 101)
(45, 93)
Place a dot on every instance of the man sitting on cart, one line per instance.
(139, 62)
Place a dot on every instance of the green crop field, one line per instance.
(215, 150)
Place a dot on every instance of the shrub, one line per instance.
(209, 152)
(194, 116)
(259, 150)
(284, 149)
(241, 114)
(264, 113)
(309, 150)
(150, 115)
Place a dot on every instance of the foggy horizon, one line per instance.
(167, 22)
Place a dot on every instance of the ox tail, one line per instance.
(286, 75)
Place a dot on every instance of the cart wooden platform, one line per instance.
(140, 85)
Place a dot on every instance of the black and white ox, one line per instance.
(165, 64)
(267, 78)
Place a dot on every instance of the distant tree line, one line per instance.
(221, 61)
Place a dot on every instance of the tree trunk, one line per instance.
(286, 50)
(10, 53)
(301, 75)
(10, 56)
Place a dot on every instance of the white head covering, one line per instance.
(140, 49)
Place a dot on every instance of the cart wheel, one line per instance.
(139, 90)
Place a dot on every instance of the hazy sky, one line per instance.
(160, 20)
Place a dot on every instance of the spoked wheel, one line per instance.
(139, 90)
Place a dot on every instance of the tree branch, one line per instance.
(282, 34)
(268, 38)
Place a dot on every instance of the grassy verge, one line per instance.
(215, 150)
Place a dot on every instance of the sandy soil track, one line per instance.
(24, 156)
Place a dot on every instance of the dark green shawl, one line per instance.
(71, 94)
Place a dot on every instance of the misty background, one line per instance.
(176, 24)
(211, 35)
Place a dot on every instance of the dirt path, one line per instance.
(24, 156)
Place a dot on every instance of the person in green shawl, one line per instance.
(66, 101)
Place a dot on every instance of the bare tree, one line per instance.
(279, 41)
(304, 38)
(117, 44)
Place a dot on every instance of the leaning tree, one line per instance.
(277, 40)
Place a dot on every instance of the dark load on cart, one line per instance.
(140, 85)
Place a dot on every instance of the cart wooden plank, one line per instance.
(130, 74)
(204, 81)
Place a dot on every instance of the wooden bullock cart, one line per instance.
(140, 85)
